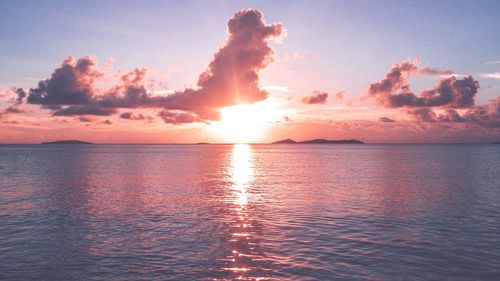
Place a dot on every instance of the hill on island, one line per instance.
(319, 141)
(67, 142)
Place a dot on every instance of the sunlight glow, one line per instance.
(244, 123)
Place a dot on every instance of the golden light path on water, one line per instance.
(241, 176)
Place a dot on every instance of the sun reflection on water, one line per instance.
(241, 175)
(241, 172)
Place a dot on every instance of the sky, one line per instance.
(249, 71)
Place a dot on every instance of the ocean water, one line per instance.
(253, 212)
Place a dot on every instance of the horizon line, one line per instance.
(257, 143)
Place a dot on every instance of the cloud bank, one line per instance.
(483, 115)
(231, 78)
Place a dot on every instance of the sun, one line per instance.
(244, 123)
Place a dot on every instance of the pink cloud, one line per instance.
(482, 115)
(394, 91)
(316, 97)
(178, 117)
(231, 78)
(132, 116)
(13, 109)
(386, 120)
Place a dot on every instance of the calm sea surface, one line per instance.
(260, 212)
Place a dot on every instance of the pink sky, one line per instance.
(248, 92)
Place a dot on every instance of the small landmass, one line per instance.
(67, 142)
(284, 141)
(319, 141)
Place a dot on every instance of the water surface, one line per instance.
(260, 212)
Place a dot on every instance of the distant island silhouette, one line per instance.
(318, 141)
(67, 142)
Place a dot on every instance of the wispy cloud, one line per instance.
(276, 88)
(494, 75)
(492, 62)
(296, 56)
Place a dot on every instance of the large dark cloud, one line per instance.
(451, 92)
(70, 84)
(394, 91)
(316, 97)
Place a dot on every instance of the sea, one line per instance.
(250, 212)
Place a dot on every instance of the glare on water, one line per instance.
(241, 172)
(241, 175)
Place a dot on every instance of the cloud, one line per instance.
(232, 76)
(394, 80)
(394, 91)
(13, 109)
(492, 62)
(107, 122)
(296, 56)
(85, 119)
(316, 97)
(339, 95)
(434, 71)
(131, 116)
(386, 120)
(494, 75)
(422, 114)
(70, 84)
(20, 95)
(130, 93)
(276, 88)
(178, 117)
(483, 115)
(451, 92)
(87, 109)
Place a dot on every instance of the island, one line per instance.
(318, 141)
(67, 142)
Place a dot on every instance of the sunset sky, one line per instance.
(234, 71)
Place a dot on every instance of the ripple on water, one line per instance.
(371, 212)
